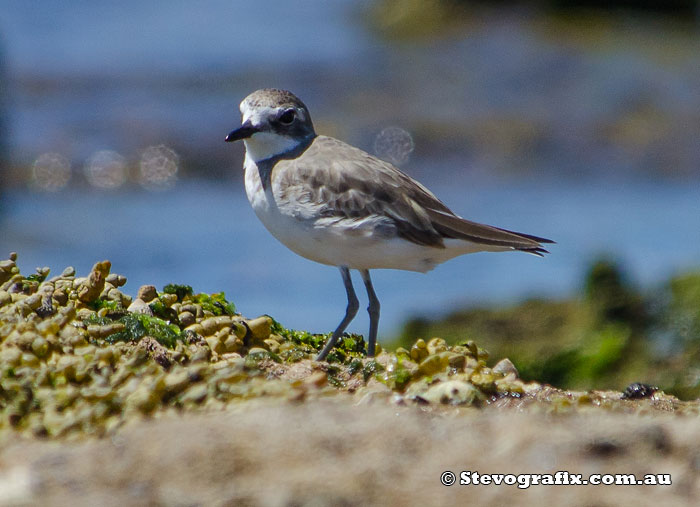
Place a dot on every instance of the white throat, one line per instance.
(263, 145)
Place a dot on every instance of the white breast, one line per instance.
(269, 210)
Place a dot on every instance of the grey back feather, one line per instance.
(344, 182)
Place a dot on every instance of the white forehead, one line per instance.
(257, 115)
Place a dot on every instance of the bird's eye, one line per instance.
(287, 117)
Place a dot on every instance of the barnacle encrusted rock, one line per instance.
(90, 289)
(78, 357)
(453, 392)
(147, 293)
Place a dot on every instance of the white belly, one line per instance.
(323, 240)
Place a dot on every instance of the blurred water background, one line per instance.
(581, 125)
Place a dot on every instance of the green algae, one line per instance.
(162, 311)
(348, 348)
(398, 377)
(97, 320)
(181, 291)
(256, 356)
(371, 369)
(138, 325)
(37, 277)
(355, 366)
(110, 305)
(334, 374)
(215, 303)
(311, 342)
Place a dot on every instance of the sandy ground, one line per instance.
(337, 452)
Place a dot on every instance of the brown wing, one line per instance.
(348, 183)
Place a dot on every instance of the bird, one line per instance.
(336, 204)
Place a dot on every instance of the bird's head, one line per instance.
(273, 122)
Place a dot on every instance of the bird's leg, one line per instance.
(350, 313)
(373, 310)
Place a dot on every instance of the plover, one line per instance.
(338, 205)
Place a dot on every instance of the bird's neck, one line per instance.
(265, 145)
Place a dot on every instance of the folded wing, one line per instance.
(341, 181)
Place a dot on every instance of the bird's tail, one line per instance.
(452, 226)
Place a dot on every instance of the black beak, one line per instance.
(243, 132)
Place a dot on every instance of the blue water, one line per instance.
(205, 235)
(514, 89)
(97, 37)
(516, 125)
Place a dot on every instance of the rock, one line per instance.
(505, 366)
(168, 299)
(223, 321)
(434, 364)
(7, 266)
(638, 391)
(177, 381)
(260, 328)
(116, 280)
(209, 326)
(156, 351)
(185, 318)
(317, 379)
(453, 392)
(215, 344)
(147, 293)
(60, 297)
(195, 394)
(456, 361)
(142, 400)
(232, 343)
(90, 289)
(436, 345)
(33, 301)
(272, 345)
(189, 308)
(40, 346)
(106, 330)
(195, 329)
(373, 392)
(402, 352)
(140, 306)
(419, 351)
